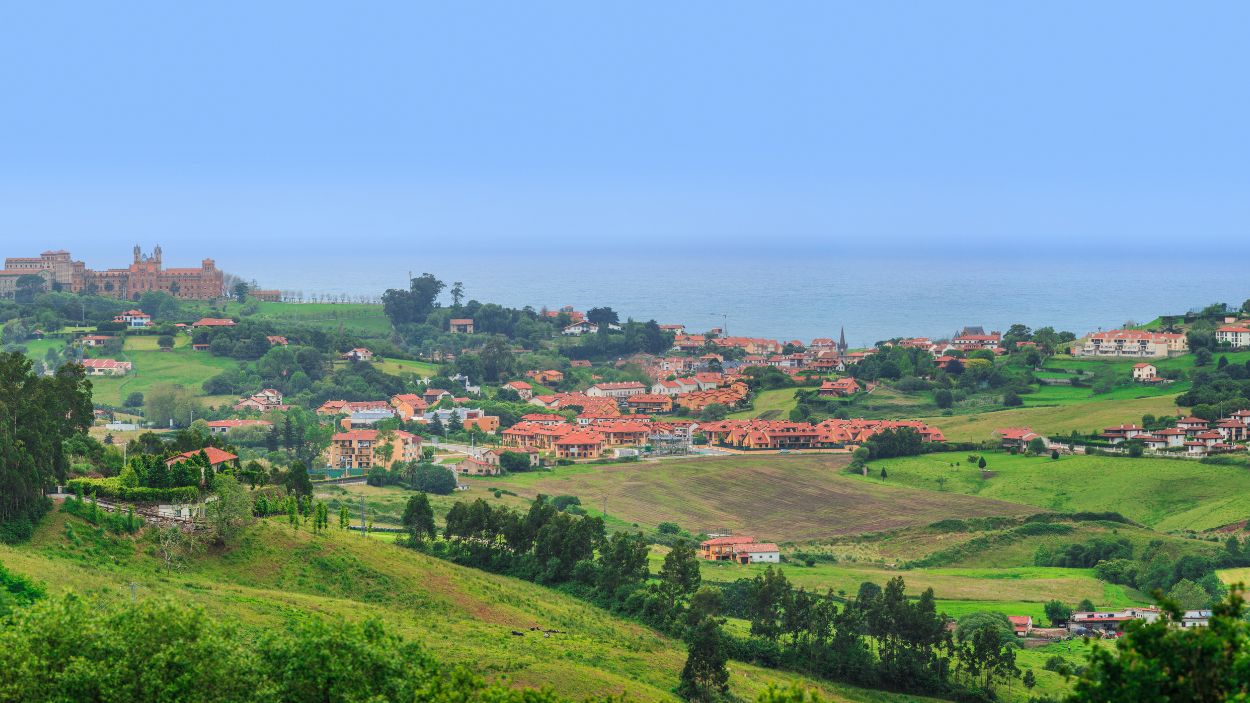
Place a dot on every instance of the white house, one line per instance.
(1145, 372)
(134, 319)
(757, 553)
(1236, 335)
(577, 329)
(622, 389)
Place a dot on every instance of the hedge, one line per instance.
(112, 488)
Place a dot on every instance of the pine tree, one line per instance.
(292, 515)
(344, 517)
(419, 517)
(680, 570)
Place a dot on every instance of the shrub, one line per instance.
(113, 488)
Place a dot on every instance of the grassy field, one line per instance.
(461, 615)
(780, 498)
(1165, 494)
(153, 367)
(363, 319)
(770, 405)
(1070, 395)
(1124, 367)
(1054, 420)
(396, 367)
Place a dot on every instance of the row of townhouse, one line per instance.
(780, 434)
(588, 437)
(1132, 344)
(1197, 435)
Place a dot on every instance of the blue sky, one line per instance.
(837, 127)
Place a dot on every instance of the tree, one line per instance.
(680, 570)
(1189, 595)
(165, 341)
(1057, 612)
(457, 293)
(240, 291)
(230, 512)
(1011, 399)
(1202, 357)
(515, 461)
(1085, 606)
(943, 398)
(622, 562)
(884, 475)
(1029, 679)
(133, 400)
(321, 517)
(981, 463)
(297, 480)
(419, 518)
(171, 404)
(27, 287)
(602, 317)
(705, 676)
(344, 517)
(1054, 454)
(1037, 445)
(430, 478)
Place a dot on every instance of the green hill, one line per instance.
(1164, 494)
(461, 615)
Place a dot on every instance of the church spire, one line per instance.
(842, 339)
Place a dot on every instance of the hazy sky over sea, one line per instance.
(802, 128)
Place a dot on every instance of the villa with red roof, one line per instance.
(744, 550)
(1238, 336)
(213, 322)
(106, 367)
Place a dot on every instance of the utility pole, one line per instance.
(362, 517)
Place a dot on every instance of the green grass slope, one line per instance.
(153, 367)
(1055, 419)
(1165, 494)
(463, 616)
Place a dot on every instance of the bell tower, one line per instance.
(156, 254)
(138, 254)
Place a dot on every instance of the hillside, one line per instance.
(1165, 494)
(462, 615)
(1055, 419)
(153, 367)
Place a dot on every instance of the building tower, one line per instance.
(842, 340)
(156, 254)
(138, 254)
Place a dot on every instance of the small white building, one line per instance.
(1145, 372)
(757, 553)
(622, 389)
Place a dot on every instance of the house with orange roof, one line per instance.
(134, 319)
(408, 405)
(358, 354)
(618, 389)
(105, 367)
(522, 389)
(744, 550)
(1145, 372)
(840, 388)
(580, 444)
(1132, 343)
(483, 423)
(472, 466)
(1017, 438)
(1237, 336)
(213, 322)
(94, 340)
(460, 325)
(221, 427)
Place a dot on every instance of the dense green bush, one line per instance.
(113, 488)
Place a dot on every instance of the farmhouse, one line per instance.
(106, 367)
(358, 354)
(477, 467)
(461, 325)
(95, 340)
(213, 322)
(408, 405)
(1145, 372)
(268, 399)
(839, 388)
(134, 319)
(1021, 624)
(1017, 437)
(744, 550)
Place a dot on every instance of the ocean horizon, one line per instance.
(800, 297)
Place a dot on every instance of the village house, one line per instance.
(1022, 625)
(969, 341)
(523, 389)
(408, 405)
(548, 376)
(105, 367)
(1192, 425)
(471, 466)
(262, 401)
(580, 444)
(620, 389)
(1145, 372)
(358, 419)
(1132, 343)
(1018, 438)
(1237, 336)
(577, 329)
(358, 354)
(216, 459)
(1120, 433)
(649, 403)
(460, 325)
(94, 340)
(358, 449)
(482, 423)
(839, 388)
(213, 322)
(432, 396)
(134, 319)
(493, 456)
(266, 295)
(744, 550)
(221, 427)
(276, 340)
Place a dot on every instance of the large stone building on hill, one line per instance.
(144, 274)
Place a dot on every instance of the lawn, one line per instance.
(364, 319)
(463, 616)
(770, 405)
(396, 367)
(1165, 494)
(1054, 420)
(1070, 395)
(152, 367)
(779, 498)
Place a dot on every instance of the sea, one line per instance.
(797, 296)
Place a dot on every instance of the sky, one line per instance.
(720, 128)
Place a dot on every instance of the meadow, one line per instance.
(1054, 420)
(1164, 494)
(152, 367)
(462, 616)
(364, 319)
